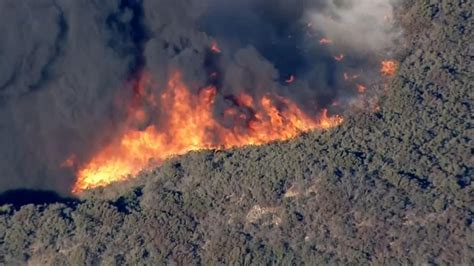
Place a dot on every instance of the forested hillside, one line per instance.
(392, 186)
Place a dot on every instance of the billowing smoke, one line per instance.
(364, 26)
(68, 67)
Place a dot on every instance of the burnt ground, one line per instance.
(387, 187)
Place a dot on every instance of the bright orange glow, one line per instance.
(189, 125)
(389, 68)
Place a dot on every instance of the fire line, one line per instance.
(189, 125)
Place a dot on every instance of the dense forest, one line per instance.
(389, 186)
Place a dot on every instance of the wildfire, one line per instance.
(389, 68)
(190, 125)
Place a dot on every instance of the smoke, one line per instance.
(68, 67)
(365, 26)
(62, 67)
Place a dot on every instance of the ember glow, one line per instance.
(350, 77)
(215, 48)
(361, 88)
(290, 79)
(189, 125)
(339, 57)
(325, 41)
(389, 68)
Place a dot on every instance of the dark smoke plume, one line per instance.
(67, 67)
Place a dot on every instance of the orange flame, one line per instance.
(389, 68)
(190, 125)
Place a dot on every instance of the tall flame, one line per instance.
(190, 125)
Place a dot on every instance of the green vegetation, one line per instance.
(390, 187)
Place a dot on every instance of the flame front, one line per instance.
(190, 125)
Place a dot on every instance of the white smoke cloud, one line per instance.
(364, 25)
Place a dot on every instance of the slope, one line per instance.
(390, 187)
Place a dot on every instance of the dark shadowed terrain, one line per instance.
(392, 186)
